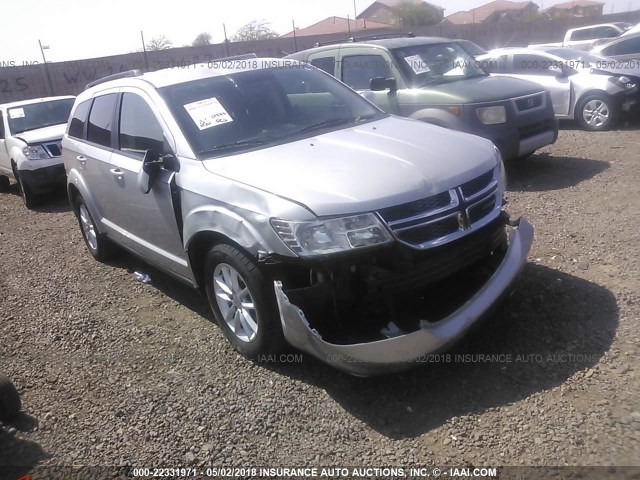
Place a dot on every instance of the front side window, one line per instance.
(39, 115)
(436, 63)
(101, 119)
(79, 119)
(624, 47)
(328, 64)
(262, 107)
(139, 128)
(358, 70)
(1, 127)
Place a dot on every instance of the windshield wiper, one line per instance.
(332, 122)
(248, 142)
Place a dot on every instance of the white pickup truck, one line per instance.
(585, 38)
(30, 152)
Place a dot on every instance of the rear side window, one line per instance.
(585, 34)
(328, 64)
(139, 128)
(358, 70)
(101, 119)
(79, 119)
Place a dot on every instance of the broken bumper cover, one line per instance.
(399, 353)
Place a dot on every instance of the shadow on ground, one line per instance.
(55, 201)
(544, 172)
(18, 456)
(552, 326)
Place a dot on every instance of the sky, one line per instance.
(76, 29)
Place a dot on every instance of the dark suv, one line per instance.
(438, 81)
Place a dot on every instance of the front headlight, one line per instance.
(333, 235)
(492, 115)
(35, 152)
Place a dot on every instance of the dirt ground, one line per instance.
(116, 372)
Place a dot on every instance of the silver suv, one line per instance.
(307, 215)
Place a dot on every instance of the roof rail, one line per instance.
(115, 76)
(378, 36)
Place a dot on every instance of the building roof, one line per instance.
(395, 3)
(483, 12)
(573, 4)
(337, 25)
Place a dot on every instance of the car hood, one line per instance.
(39, 135)
(362, 168)
(481, 90)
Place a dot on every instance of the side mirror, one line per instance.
(379, 83)
(151, 163)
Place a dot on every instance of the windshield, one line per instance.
(432, 64)
(264, 106)
(574, 54)
(39, 115)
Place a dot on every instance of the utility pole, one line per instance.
(144, 51)
(46, 69)
(226, 41)
(295, 41)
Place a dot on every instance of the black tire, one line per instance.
(30, 199)
(597, 112)
(99, 246)
(5, 184)
(9, 399)
(268, 337)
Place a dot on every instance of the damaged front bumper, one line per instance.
(401, 352)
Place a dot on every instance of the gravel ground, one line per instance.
(116, 372)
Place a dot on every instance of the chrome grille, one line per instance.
(441, 218)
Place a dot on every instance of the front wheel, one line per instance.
(243, 302)
(597, 112)
(30, 199)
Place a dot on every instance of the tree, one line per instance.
(413, 14)
(255, 30)
(158, 43)
(202, 39)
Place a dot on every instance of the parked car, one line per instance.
(585, 38)
(303, 211)
(634, 29)
(582, 86)
(623, 48)
(437, 80)
(30, 135)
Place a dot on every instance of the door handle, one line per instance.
(82, 160)
(116, 172)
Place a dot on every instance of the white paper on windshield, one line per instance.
(417, 64)
(16, 113)
(208, 113)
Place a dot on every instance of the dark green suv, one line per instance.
(438, 80)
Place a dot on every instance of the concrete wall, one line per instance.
(69, 78)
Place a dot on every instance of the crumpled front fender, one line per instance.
(400, 353)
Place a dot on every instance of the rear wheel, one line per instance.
(597, 112)
(9, 399)
(243, 302)
(98, 245)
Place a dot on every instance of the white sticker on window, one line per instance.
(417, 64)
(16, 113)
(208, 113)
